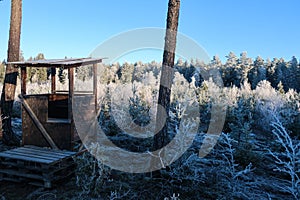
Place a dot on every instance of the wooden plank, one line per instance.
(27, 156)
(38, 124)
(21, 174)
(51, 150)
(30, 152)
(55, 97)
(38, 167)
(67, 63)
(21, 157)
(15, 179)
(43, 152)
(59, 121)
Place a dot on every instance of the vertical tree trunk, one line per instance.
(167, 74)
(10, 80)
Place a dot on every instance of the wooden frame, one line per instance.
(37, 129)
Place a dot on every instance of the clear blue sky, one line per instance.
(73, 28)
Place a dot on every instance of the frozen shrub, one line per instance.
(290, 112)
(287, 159)
(91, 175)
(174, 197)
(139, 110)
(266, 98)
(234, 176)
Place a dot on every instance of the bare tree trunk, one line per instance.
(10, 80)
(167, 74)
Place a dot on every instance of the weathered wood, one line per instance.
(36, 154)
(66, 153)
(57, 63)
(55, 97)
(35, 165)
(53, 85)
(39, 152)
(58, 128)
(16, 173)
(95, 86)
(52, 112)
(38, 124)
(71, 92)
(23, 80)
(21, 157)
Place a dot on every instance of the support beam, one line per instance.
(53, 85)
(95, 86)
(38, 124)
(71, 92)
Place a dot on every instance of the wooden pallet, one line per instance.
(36, 165)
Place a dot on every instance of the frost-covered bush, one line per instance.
(225, 176)
(266, 98)
(174, 197)
(139, 110)
(242, 130)
(290, 112)
(286, 159)
(286, 105)
(235, 175)
(91, 175)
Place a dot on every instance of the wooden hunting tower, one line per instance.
(47, 119)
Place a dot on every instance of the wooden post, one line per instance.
(95, 86)
(23, 80)
(71, 92)
(70, 102)
(53, 85)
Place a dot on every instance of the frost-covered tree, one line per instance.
(287, 159)
(291, 74)
(271, 72)
(229, 74)
(243, 68)
(127, 70)
(257, 73)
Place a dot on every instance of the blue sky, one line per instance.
(73, 28)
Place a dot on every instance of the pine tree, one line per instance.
(167, 72)
(127, 73)
(291, 74)
(271, 72)
(244, 66)
(228, 71)
(10, 81)
(257, 73)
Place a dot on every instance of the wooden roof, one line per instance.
(67, 63)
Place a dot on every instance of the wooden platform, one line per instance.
(36, 165)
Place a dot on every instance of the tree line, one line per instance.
(283, 75)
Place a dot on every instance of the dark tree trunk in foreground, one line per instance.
(10, 80)
(167, 74)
